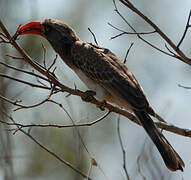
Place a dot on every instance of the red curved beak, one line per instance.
(34, 27)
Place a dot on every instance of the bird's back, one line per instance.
(105, 68)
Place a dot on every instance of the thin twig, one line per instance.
(14, 57)
(44, 55)
(4, 36)
(173, 54)
(183, 58)
(20, 106)
(17, 103)
(185, 87)
(185, 31)
(95, 40)
(55, 125)
(122, 148)
(24, 82)
(26, 72)
(29, 106)
(138, 35)
(125, 59)
(163, 125)
(88, 124)
(125, 32)
(117, 11)
(155, 47)
(118, 35)
(53, 63)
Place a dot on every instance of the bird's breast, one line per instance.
(101, 93)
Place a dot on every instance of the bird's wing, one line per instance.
(104, 68)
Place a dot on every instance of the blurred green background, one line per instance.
(21, 159)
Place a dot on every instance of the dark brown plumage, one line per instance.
(105, 74)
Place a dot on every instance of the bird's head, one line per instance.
(56, 32)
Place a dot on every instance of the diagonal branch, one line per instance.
(139, 34)
(184, 58)
(185, 31)
(95, 40)
(26, 72)
(24, 82)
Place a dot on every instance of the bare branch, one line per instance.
(26, 72)
(138, 35)
(183, 58)
(174, 129)
(55, 125)
(162, 125)
(155, 47)
(17, 103)
(125, 32)
(3, 38)
(44, 55)
(173, 54)
(95, 40)
(185, 87)
(14, 57)
(117, 11)
(122, 148)
(125, 59)
(53, 63)
(25, 82)
(185, 31)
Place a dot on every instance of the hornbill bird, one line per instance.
(103, 72)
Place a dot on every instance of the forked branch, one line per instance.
(181, 56)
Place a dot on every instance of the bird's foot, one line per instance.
(102, 106)
(89, 95)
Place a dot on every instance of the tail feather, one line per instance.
(171, 158)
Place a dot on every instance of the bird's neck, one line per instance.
(63, 49)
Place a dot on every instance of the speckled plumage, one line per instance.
(105, 74)
(107, 71)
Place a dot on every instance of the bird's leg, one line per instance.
(103, 105)
(89, 95)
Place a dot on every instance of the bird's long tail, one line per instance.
(169, 155)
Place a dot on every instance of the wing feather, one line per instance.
(104, 68)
